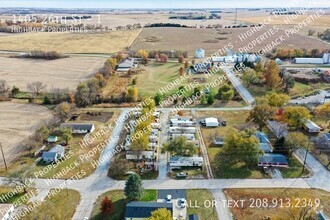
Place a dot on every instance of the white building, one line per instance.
(308, 60)
(141, 155)
(79, 128)
(311, 127)
(186, 161)
(54, 154)
(182, 130)
(190, 137)
(211, 122)
(199, 53)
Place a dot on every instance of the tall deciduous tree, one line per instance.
(296, 140)
(250, 77)
(295, 116)
(241, 147)
(133, 187)
(36, 87)
(179, 146)
(277, 99)
(288, 82)
(144, 55)
(272, 77)
(63, 111)
(323, 111)
(260, 114)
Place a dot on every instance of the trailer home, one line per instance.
(190, 137)
(311, 127)
(186, 162)
(182, 130)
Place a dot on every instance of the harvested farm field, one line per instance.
(211, 40)
(19, 121)
(90, 42)
(60, 73)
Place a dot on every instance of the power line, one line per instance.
(3, 156)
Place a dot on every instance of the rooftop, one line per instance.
(144, 209)
(273, 158)
(175, 193)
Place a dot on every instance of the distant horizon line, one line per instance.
(114, 8)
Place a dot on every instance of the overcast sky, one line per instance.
(160, 3)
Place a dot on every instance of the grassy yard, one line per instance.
(158, 75)
(85, 168)
(300, 89)
(295, 195)
(119, 201)
(295, 168)
(199, 196)
(233, 119)
(4, 192)
(59, 206)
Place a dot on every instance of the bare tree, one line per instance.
(36, 87)
(4, 88)
(20, 180)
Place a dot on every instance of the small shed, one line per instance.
(199, 53)
(219, 141)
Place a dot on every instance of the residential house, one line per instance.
(264, 143)
(180, 130)
(54, 154)
(6, 211)
(142, 210)
(79, 128)
(272, 160)
(190, 137)
(125, 65)
(186, 161)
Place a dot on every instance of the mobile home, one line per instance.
(190, 137)
(186, 161)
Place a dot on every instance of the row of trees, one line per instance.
(271, 75)
(292, 53)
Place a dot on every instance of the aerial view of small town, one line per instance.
(164, 110)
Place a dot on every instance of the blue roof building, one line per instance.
(264, 143)
(273, 160)
(142, 210)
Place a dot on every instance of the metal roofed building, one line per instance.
(264, 143)
(311, 127)
(199, 53)
(142, 210)
(272, 160)
(79, 128)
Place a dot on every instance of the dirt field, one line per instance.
(212, 40)
(61, 73)
(18, 121)
(103, 42)
(292, 205)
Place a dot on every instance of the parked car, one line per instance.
(182, 203)
(169, 198)
(181, 175)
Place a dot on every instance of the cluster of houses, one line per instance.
(184, 126)
(269, 159)
(57, 152)
(147, 155)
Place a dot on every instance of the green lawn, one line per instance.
(300, 89)
(59, 206)
(158, 75)
(4, 192)
(119, 200)
(198, 197)
(295, 168)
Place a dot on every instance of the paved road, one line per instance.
(238, 85)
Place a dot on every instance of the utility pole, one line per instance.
(303, 169)
(3, 156)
